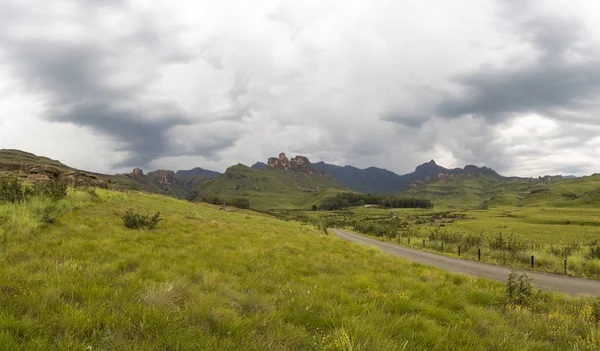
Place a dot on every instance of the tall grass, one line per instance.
(206, 279)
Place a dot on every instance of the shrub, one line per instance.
(564, 251)
(93, 194)
(55, 189)
(520, 291)
(240, 202)
(11, 189)
(213, 199)
(137, 220)
(498, 243)
(594, 249)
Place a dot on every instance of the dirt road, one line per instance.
(568, 285)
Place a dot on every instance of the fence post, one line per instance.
(398, 238)
(478, 254)
(442, 246)
(531, 261)
(409, 241)
(505, 257)
(459, 250)
(565, 266)
(423, 242)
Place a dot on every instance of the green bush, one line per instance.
(136, 220)
(594, 249)
(11, 189)
(520, 291)
(240, 202)
(55, 189)
(213, 199)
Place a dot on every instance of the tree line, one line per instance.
(345, 200)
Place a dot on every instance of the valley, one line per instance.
(277, 276)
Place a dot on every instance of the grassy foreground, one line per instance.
(74, 278)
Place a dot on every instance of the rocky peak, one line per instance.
(138, 173)
(298, 163)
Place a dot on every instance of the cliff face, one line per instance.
(298, 163)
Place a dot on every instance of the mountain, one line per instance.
(259, 165)
(381, 181)
(196, 172)
(282, 184)
(370, 180)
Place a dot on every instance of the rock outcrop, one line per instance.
(85, 180)
(138, 173)
(298, 163)
(167, 177)
(47, 170)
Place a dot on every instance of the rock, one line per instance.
(50, 171)
(298, 163)
(138, 173)
(301, 164)
(281, 162)
(37, 178)
(166, 177)
(84, 180)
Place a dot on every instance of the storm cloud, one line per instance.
(508, 84)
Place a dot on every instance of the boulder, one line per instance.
(84, 180)
(50, 171)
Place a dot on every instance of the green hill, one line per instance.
(479, 191)
(270, 188)
(74, 278)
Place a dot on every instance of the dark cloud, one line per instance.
(559, 80)
(81, 75)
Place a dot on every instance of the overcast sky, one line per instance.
(112, 85)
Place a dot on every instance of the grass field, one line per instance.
(74, 278)
(506, 235)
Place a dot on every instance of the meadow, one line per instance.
(74, 278)
(504, 235)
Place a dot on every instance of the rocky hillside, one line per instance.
(283, 183)
(38, 169)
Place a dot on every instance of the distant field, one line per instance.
(74, 278)
(551, 234)
(543, 225)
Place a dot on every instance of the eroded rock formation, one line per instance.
(138, 173)
(298, 163)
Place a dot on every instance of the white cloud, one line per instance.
(112, 85)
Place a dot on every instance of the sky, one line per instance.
(111, 85)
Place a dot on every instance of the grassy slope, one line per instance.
(470, 193)
(20, 161)
(270, 188)
(209, 279)
(11, 160)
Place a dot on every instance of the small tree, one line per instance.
(11, 189)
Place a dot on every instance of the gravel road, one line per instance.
(568, 285)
